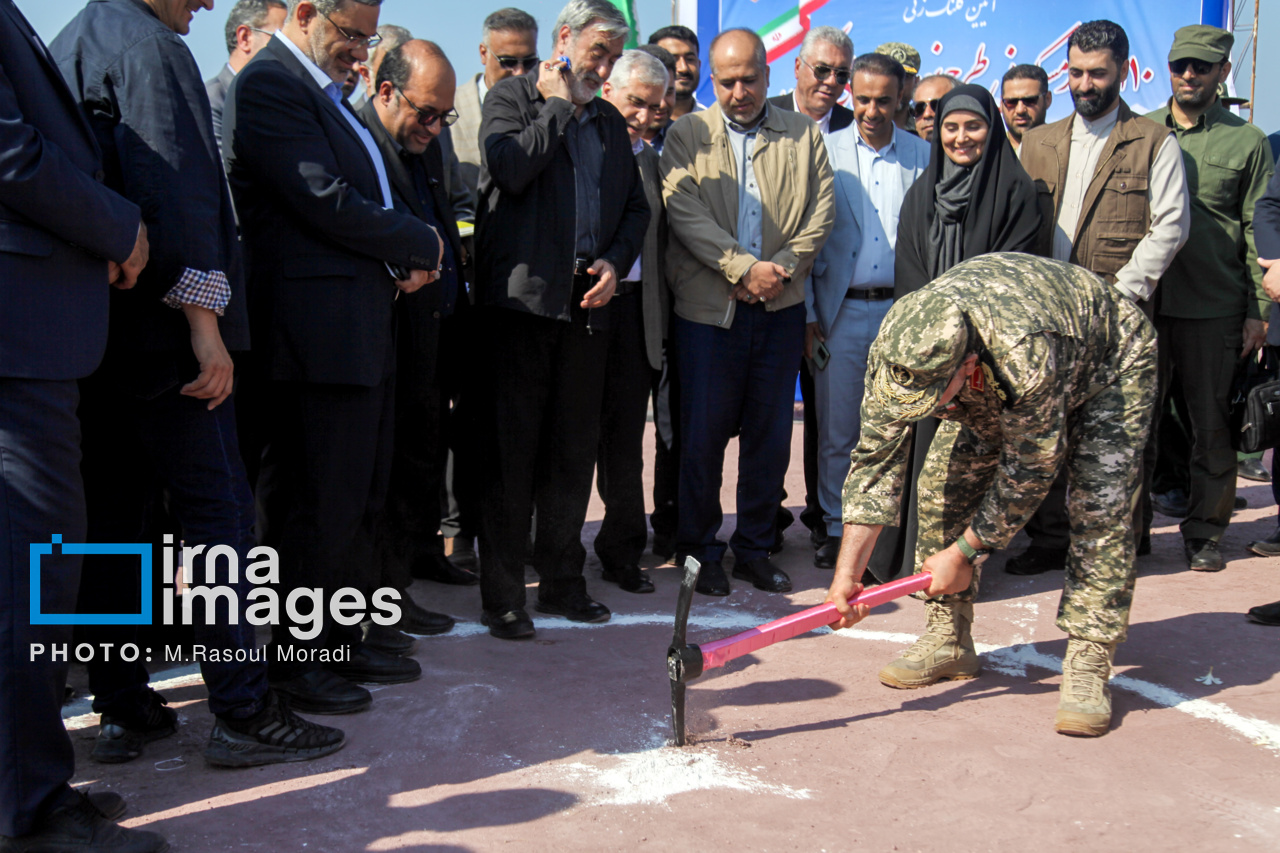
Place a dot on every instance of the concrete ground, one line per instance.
(559, 744)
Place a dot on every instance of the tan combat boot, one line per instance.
(944, 651)
(1084, 701)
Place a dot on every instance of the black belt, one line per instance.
(871, 294)
(626, 287)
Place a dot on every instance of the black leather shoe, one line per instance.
(1241, 503)
(387, 639)
(628, 578)
(817, 537)
(512, 625)
(576, 606)
(463, 554)
(1269, 547)
(420, 621)
(323, 692)
(1253, 469)
(370, 666)
(108, 803)
(76, 824)
(1265, 614)
(1174, 503)
(1203, 555)
(825, 557)
(1037, 560)
(711, 579)
(764, 575)
(436, 567)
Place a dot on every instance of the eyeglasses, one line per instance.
(1199, 66)
(355, 40)
(1011, 104)
(509, 63)
(920, 106)
(267, 33)
(426, 118)
(822, 72)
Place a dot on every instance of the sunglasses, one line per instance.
(355, 40)
(920, 106)
(822, 72)
(426, 118)
(509, 63)
(1199, 66)
(1011, 104)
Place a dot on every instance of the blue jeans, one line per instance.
(144, 442)
(736, 380)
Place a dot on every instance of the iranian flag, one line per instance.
(785, 32)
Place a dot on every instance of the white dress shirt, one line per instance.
(882, 197)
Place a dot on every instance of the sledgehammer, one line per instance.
(687, 661)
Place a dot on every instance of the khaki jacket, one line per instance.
(699, 177)
(1115, 215)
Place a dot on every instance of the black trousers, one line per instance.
(41, 496)
(543, 389)
(620, 463)
(666, 457)
(411, 521)
(325, 470)
(812, 515)
(461, 345)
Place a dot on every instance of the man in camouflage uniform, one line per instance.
(1033, 364)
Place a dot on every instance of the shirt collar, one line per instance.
(1207, 119)
(482, 88)
(1097, 127)
(322, 80)
(893, 142)
(824, 122)
(734, 127)
(638, 146)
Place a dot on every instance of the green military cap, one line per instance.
(1203, 42)
(921, 344)
(907, 55)
(1228, 99)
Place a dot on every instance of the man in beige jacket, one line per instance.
(750, 201)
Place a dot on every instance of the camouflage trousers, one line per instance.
(1105, 437)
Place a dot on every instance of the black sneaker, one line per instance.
(274, 735)
(76, 824)
(121, 737)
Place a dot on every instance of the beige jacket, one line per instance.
(699, 185)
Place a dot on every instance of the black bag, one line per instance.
(1255, 404)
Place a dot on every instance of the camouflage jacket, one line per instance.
(1051, 336)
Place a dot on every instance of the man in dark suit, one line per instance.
(249, 24)
(637, 329)
(406, 114)
(562, 212)
(63, 237)
(327, 257)
(159, 410)
(816, 95)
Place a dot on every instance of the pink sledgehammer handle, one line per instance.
(720, 652)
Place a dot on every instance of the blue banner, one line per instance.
(973, 40)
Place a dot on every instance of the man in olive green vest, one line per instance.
(1212, 304)
(1113, 199)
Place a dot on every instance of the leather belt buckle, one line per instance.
(870, 294)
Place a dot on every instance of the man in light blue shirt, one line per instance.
(852, 284)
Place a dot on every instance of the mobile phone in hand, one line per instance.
(821, 355)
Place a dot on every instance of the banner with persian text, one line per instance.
(972, 40)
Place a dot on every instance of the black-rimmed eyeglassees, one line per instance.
(824, 72)
(426, 118)
(355, 40)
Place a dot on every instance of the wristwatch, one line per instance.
(975, 556)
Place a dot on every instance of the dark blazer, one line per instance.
(1266, 232)
(525, 230)
(58, 223)
(432, 299)
(841, 117)
(216, 88)
(141, 88)
(656, 306)
(316, 236)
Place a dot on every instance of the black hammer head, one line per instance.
(684, 661)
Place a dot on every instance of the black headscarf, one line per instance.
(953, 213)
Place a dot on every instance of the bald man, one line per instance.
(411, 105)
(739, 300)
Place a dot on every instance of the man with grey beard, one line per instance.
(1113, 195)
(562, 217)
